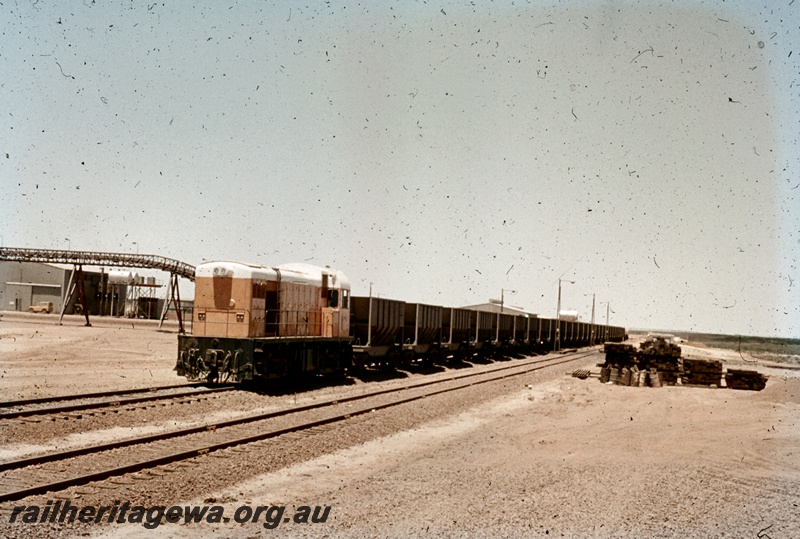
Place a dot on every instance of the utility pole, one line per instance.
(502, 297)
(557, 344)
(557, 341)
(369, 317)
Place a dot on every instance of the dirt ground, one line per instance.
(563, 458)
(567, 458)
(39, 358)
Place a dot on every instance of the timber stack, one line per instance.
(744, 379)
(620, 358)
(701, 372)
(621, 355)
(658, 362)
(656, 353)
(655, 363)
(659, 354)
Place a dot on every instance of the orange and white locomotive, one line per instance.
(255, 322)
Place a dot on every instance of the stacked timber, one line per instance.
(639, 377)
(659, 346)
(658, 362)
(619, 355)
(663, 357)
(743, 379)
(701, 372)
(655, 378)
(624, 367)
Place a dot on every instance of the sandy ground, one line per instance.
(568, 458)
(564, 458)
(39, 358)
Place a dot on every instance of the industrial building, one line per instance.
(495, 306)
(108, 292)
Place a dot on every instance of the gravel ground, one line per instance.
(538, 456)
(117, 457)
(39, 358)
(78, 429)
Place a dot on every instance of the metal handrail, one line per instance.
(309, 321)
(297, 319)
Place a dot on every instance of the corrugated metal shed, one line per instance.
(495, 308)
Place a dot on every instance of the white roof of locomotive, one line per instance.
(313, 273)
(295, 273)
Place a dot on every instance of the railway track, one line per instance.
(59, 470)
(31, 407)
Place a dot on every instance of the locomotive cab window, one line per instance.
(345, 299)
(333, 298)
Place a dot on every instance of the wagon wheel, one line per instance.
(427, 360)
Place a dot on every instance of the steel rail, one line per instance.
(80, 396)
(60, 455)
(96, 258)
(197, 451)
(109, 404)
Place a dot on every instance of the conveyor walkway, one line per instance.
(176, 267)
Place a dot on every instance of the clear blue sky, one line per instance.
(442, 151)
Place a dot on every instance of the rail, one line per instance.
(81, 396)
(94, 258)
(59, 477)
(115, 403)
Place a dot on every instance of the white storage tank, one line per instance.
(122, 277)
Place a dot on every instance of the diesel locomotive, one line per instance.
(253, 323)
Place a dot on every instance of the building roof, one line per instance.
(493, 307)
(70, 267)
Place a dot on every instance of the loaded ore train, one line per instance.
(255, 323)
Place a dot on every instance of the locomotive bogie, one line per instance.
(211, 359)
(222, 360)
